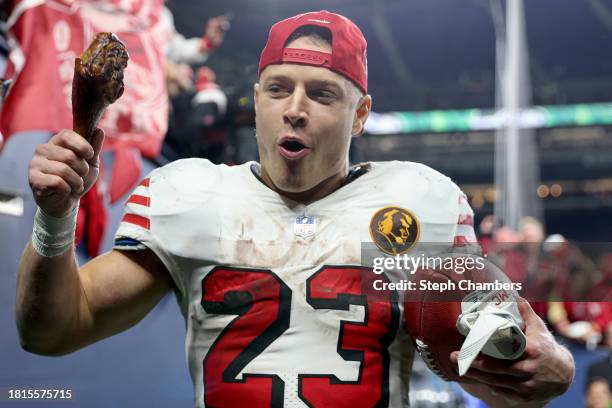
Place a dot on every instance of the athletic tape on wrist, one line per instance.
(53, 236)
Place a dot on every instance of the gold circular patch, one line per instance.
(394, 230)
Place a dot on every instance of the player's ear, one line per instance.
(255, 95)
(362, 111)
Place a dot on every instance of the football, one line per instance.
(431, 312)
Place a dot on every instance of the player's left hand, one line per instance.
(543, 372)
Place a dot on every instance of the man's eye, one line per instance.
(323, 95)
(276, 89)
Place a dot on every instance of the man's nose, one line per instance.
(296, 113)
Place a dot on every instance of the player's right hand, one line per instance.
(63, 169)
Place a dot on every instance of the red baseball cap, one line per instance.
(348, 56)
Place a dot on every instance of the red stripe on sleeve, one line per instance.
(137, 220)
(466, 219)
(138, 199)
(145, 182)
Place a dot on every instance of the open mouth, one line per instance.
(292, 149)
(292, 145)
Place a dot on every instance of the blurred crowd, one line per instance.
(199, 121)
(568, 285)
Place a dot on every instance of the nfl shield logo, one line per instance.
(304, 226)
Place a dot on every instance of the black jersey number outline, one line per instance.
(262, 301)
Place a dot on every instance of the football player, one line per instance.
(265, 258)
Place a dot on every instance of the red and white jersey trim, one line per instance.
(465, 235)
(138, 205)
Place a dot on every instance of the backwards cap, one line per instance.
(348, 56)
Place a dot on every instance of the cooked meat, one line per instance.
(98, 81)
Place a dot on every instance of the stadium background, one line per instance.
(435, 61)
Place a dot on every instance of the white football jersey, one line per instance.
(273, 292)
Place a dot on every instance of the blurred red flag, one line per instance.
(47, 35)
(41, 67)
(45, 38)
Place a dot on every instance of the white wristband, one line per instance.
(53, 236)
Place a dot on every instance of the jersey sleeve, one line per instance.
(168, 212)
(135, 228)
(446, 209)
(136, 231)
(465, 237)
